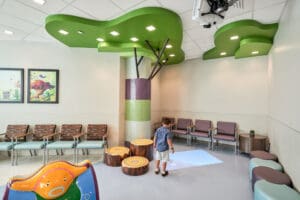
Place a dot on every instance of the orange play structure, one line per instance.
(56, 180)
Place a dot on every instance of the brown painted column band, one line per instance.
(138, 89)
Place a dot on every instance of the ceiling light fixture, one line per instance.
(151, 28)
(100, 39)
(63, 32)
(114, 33)
(254, 52)
(80, 32)
(172, 55)
(8, 32)
(223, 54)
(234, 37)
(40, 2)
(169, 46)
(134, 39)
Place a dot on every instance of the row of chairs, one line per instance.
(46, 137)
(225, 131)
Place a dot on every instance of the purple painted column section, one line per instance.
(138, 89)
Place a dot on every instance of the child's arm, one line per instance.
(154, 141)
(170, 143)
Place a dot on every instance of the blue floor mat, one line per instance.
(194, 158)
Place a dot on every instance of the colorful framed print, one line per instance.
(43, 86)
(11, 85)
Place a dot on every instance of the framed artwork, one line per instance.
(43, 86)
(11, 85)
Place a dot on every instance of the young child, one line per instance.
(162, 144)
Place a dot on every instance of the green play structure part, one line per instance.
(252, 36)
(83, 32)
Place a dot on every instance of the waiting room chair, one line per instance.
(96, 138)
(202, 128)
(183, 127)
(68, 138)
(13, 135)
(226, 131)
(40, 138)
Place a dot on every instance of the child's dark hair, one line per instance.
(166, 121)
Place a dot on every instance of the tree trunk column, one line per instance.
(138, 101)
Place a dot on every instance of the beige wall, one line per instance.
(284, 95)
(223, 89)
(90, 86)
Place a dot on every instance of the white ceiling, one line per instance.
(26, 18)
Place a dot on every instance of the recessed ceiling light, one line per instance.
(134, 39)
(100, 39)
(63, 32)
(172, 55)
(164, 61)
(234, 37)
(80, 32)
(40, 2)
(254, 52)
(169, 46)
(151, 28)
(114, 33)
(223, 53)
(8, 32)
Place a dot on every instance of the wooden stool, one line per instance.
(135, 165)
(142, 147)
(113, 156)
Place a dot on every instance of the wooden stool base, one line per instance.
(113, 156)
(135, 165)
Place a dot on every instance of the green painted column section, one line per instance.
(138, 110)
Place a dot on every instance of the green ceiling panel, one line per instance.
(133, 24)
(254, 39)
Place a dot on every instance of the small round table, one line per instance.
(113, 156)
(248, 144)
(135, 165)
(142, 147)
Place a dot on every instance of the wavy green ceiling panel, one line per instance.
(82, 32)
(244, 38)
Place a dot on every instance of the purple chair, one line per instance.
(183, 127)
(226, 131)
(202, 128)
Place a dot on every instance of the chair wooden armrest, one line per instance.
(76, 137)
(2, 134)
(104, 137)
(46, 137)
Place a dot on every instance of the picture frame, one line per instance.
(11, 85)
(43, 86)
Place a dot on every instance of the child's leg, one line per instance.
(164, 166)
(157, 164)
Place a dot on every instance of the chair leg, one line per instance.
(87, 152)
(34, 152)
(12, 157)
(83, 152)
(16, 157)
(44, 156)
(74, 156)
(8, 153)
(57, 152)
(62, 153)
(30, 152)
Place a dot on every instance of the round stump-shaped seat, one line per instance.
(135, 165)
(113, 156)
(270, 175)
(263, 155)
(142, 147)
(264, 190)
(256, 162)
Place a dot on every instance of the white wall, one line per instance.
(223, 89)
(284, 97)
(89, 86)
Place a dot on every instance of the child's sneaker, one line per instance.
(164, 173)
(156, 171)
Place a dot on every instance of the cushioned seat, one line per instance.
(61, 145)
(264, 190)
(5, 146)
(270, 175)
(90, 145)
(30, 145)
(263, 155)
(202, 128)
(256, 162)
